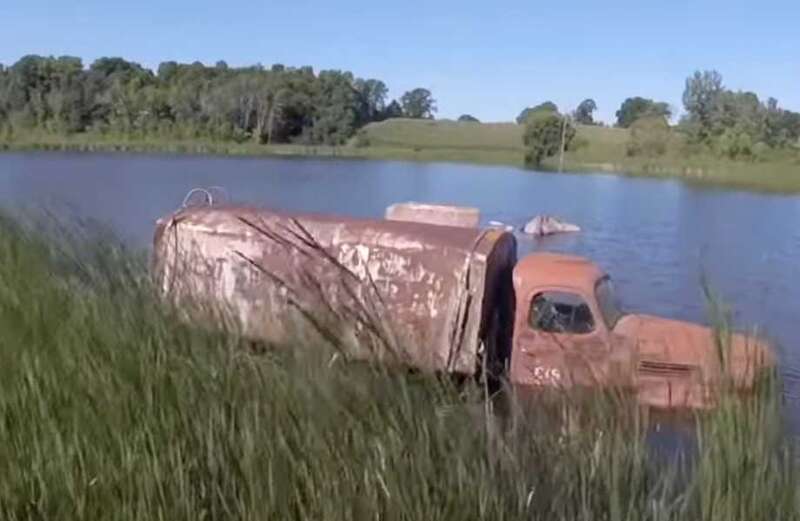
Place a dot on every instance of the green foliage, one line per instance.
(732, 121)
(279, 105)
(649, 137)
(583, 114)
(372, 97)
(547, 106)
(543, 135)
(418, 104)
(468, 118)
(701, 101)
(734, 143)
(782, 127)
(761, 150)
(393, 110)
(637, 107)
(337, 114)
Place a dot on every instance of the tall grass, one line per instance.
(96, 142)
(112, 408)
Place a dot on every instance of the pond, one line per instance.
(657, 238)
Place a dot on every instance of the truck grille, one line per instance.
(664, 368)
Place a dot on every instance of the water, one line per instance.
(657, 238)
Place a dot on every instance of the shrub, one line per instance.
(543, 134)
(649, 137)
(735, 144)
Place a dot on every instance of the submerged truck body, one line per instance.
(436, 296)
(440, 298)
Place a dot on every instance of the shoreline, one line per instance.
(774, 177)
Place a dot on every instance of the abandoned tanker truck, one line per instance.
(449, 299)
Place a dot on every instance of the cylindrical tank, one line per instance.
(438, 297)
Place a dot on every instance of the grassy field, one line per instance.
(594, 149)
(114, 409)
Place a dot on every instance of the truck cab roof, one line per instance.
(556, 270)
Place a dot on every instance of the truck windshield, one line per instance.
(608, 302)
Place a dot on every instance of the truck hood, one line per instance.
(676, 346)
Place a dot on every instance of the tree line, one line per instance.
(279, 104)
(263, 105)
(736, 123)
(716, 121)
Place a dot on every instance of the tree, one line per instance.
(110, 66)
(736, 124)
(649, 136)
(583, 114)
(701, 99)
(468, 118)
(740, 110)
(167, 71)
(543, 135)
(393, 110)
(372, 95)
(638, 107)
(781, 127)
(65, 96)
(547, 106)
(418, 104)
(336, 108)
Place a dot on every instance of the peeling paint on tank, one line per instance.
(410, 275)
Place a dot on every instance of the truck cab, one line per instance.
(569, 331)
(564, 325)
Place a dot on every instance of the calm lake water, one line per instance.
(657, 238)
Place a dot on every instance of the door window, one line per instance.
(607, 302)
(559, 312)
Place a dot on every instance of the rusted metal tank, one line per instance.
(439, 297)
(441, 214)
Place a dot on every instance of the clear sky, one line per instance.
(489, 59)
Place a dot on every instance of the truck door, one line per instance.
(559, 341)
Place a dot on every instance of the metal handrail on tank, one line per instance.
(209, 196)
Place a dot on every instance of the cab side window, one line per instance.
(558, 312)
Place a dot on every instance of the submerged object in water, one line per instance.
(441, 214)
(547, 225)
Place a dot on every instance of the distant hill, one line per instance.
(490, 142)
(423, 133)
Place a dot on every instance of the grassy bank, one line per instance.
(112, 408)
(110, 143)
(595, 149)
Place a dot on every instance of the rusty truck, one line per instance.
(451, 298)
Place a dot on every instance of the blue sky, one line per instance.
(489, 59)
